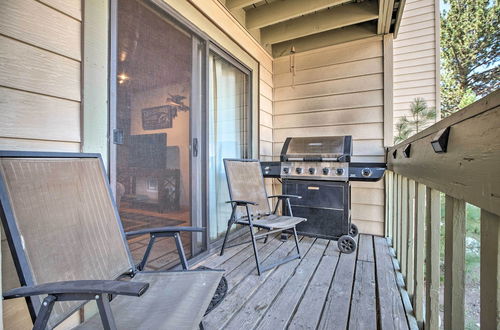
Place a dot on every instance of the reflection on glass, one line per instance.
(153, 115)
(228, 134)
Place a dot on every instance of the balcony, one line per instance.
(323, 290)
(465, 172)
(310, 68)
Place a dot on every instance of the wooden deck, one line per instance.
(324, 289)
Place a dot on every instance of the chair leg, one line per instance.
(180, 251)
(142, 265)
(296, 240)
(107, 319)
(44, 313)
(256, 253)
(229, 225)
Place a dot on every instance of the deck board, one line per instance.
(324, 289)
(309, 310)
(281, 311)
(336, 310)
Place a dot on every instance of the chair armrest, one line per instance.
(163, 230)
(285, 196)
(239, 202)
(80, 287)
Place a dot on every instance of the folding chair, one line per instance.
(69, 247)
(250, 207)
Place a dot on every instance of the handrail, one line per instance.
(468, 172)
(470, 169)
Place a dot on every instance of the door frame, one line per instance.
(199, 205)
(214, 48)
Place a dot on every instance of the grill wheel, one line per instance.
(353, 231)
(346, 244)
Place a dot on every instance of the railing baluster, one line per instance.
(398, 218)
(433, 222)
(490, 270)
(404, 227)
(454, 263)
(395, 211)
(390, 202)
(386, 212)
(418, 302)
(410, 245)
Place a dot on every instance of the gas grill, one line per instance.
(319, 169)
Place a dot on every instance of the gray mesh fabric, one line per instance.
(67, 222)
(275, 221)
(174, 300)
(246, 183)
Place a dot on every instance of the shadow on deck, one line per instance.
(325, 289)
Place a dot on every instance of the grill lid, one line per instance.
(324, 148)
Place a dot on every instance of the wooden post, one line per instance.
(389, 205)
(400, 196)
(433, 224)
(404, 227)
(386, 204)
(398, 218)
(418, 302)
(454, 263)
(410, 240)
(490, 274)
(395, 211)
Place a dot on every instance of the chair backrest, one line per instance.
(246, 182)
(60, 221)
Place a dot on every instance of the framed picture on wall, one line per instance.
(157, 117)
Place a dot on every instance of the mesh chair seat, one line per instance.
(173, 301)
(273, 221)
(250, 204)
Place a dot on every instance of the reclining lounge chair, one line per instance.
(69, 247)
(250, 206)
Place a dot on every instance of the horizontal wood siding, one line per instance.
(40, 73)
(40, 64)
(337, 90)
(416, 57)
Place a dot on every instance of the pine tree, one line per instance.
(470, 52)
(421, 116)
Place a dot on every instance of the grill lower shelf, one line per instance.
(325, 205)
(323, 223)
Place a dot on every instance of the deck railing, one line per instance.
(468, 172)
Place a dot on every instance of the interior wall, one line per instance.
(416, 57)
(337, 90)
(212, 18)
(176, 136)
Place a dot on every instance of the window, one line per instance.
(229, 133)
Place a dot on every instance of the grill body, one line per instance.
(319, 169)
(325, 205)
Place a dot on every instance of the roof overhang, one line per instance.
(286, 26)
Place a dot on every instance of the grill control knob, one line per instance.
(312, 170)
(326, 170)
(298, 170)
(286, 170)
(366, 172)
(339, 171)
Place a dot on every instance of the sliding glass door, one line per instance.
(155, 164)
(179, 106)
(228, 132)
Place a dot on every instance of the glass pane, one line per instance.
(228, 134)
(153, 114)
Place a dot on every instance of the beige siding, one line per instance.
(40, 54)
(40, 70)
(416, 57)
(337, 90)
